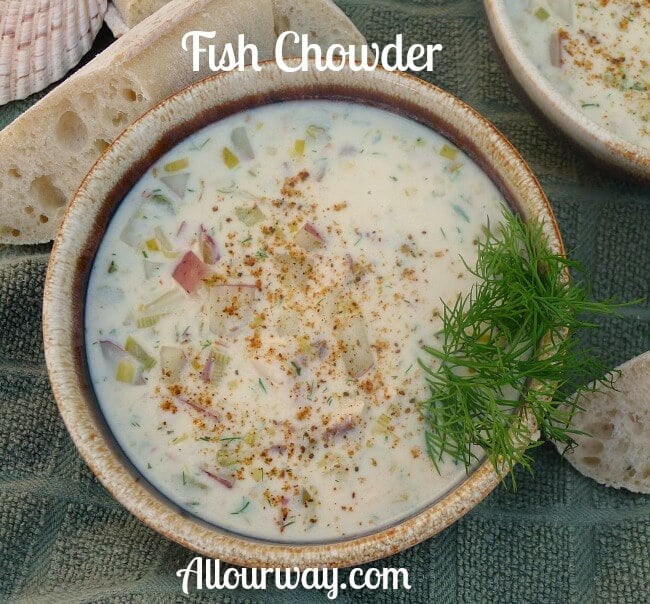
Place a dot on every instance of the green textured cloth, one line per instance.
(561, 538)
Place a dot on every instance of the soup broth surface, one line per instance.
(596, 53)
(258, 305)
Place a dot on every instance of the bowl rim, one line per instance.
(597, 140)
(140, 145)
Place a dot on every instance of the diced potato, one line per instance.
(177, 183)
(449, 152)
(172, 361)
(352, 337)
(294, 271)
(241, 142)
(250, 216)
(308, 238)
(231, 305)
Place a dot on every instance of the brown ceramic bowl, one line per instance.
(601, 144)
(86, 220)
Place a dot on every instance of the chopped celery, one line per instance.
(240, 140)
(139, 353)
(250, 216)
(230, 159)
(383, 424)
(152, 245)
(299, 147)
(193, 482)
(314, 131)
(542, 14)
(163, 201)
(176, 165)
(226, 458)
(448, 152)
(164, 243)
(164, 304)
(307, 497)
(250, 438)
(147, 321)
(220, 362)
(125, 371)
(258, 474)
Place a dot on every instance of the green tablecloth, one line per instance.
(561, 538)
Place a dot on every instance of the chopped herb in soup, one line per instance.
(597, 54)
(258, 305)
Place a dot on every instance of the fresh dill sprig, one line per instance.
(508, 349)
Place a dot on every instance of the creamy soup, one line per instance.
(597, 54)
(256, 312)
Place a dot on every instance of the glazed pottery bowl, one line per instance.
(91, 210)
(602, 144)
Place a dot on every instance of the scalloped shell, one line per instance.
(41, 40)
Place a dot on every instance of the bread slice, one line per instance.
(323, 20)
(617, 453)
(46, 152)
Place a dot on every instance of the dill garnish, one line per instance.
(514, 332)
(245, 504)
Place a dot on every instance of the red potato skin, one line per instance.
(189, 272)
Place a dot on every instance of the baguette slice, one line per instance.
(46, 152)
(323, 20)
(617, 453)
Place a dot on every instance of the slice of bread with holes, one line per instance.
(617, 453)
(46, 152)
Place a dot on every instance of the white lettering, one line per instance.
(412, 57)
(364, 63)
(279, 44)
(212, 571)
(430, 50)
(333, 585)
(352, 578)
(231, 578)
(242, 47)
(333, 51)
(189, 570)
(207, 574)
(392, 57)
(385, 55)
(373, 578)
(196, 48)
(291, 578)
(396, 574)
(230, 58)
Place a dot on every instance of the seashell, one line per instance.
(114, 21)
(41, 40)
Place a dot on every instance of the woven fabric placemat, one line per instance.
(561, 538)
